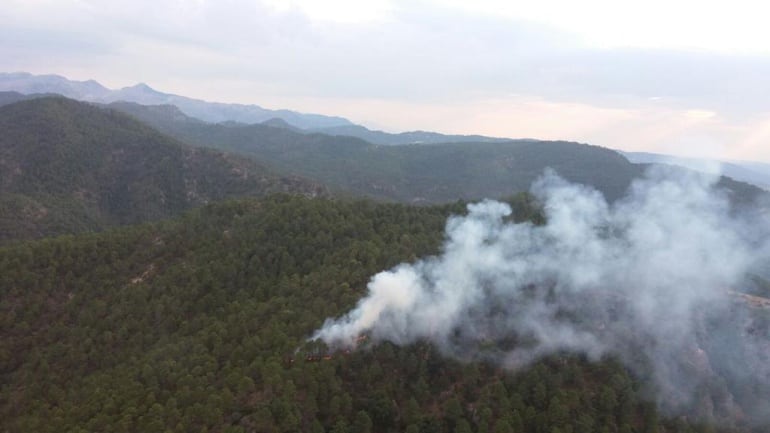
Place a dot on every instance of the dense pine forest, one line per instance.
(68, 166)
(200, 324)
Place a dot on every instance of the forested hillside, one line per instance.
(410, 173)
(419, 173)
(411, 137)
(11, 97)
(67, 166)
(199, 324)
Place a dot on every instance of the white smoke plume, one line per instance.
(645, 279)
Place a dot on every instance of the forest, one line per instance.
(68, 167)
(200, 324)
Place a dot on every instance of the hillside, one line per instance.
(410, 137)
(425, 173)
(409, 173)
(67, 166)
(199, 324)
(12, 97)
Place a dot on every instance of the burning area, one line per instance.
(643, 279)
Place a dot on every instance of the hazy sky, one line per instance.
(684, 77)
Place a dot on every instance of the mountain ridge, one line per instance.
(92, 91)
(755, 173)
(215, 112)
(424, 173)
(68, 166)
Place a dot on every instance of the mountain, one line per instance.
(412, 173)
(200, 324)
(26, 83)
(220, 112)
(141, 93)
(277, 122)
(755, 173)
(68, 166)
(12, 97)
(411, 137)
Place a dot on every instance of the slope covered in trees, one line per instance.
(67, 166)
(410, 173)
(199, 324)
(11, 97)
(435, 173)
(410, 137)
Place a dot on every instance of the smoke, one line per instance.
(645, 279)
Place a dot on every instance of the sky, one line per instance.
(687, 77)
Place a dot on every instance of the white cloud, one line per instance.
(734, 26)
(445, 66)
(342, 11)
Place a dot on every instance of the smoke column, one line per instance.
(645, 279)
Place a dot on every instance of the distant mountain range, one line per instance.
(68, 166)
(215, 112)
(92, 91)
(755, 173)
(411, 137)
(410, 173)
(427, 173)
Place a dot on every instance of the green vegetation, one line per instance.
(68, 167)
(199, 324)
(412, 137)
(410, 173)
(420, 173)
(12, 97)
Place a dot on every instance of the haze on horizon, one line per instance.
(688, 78)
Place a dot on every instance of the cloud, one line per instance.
(415, 52)
(460, 58)
(339, 11)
